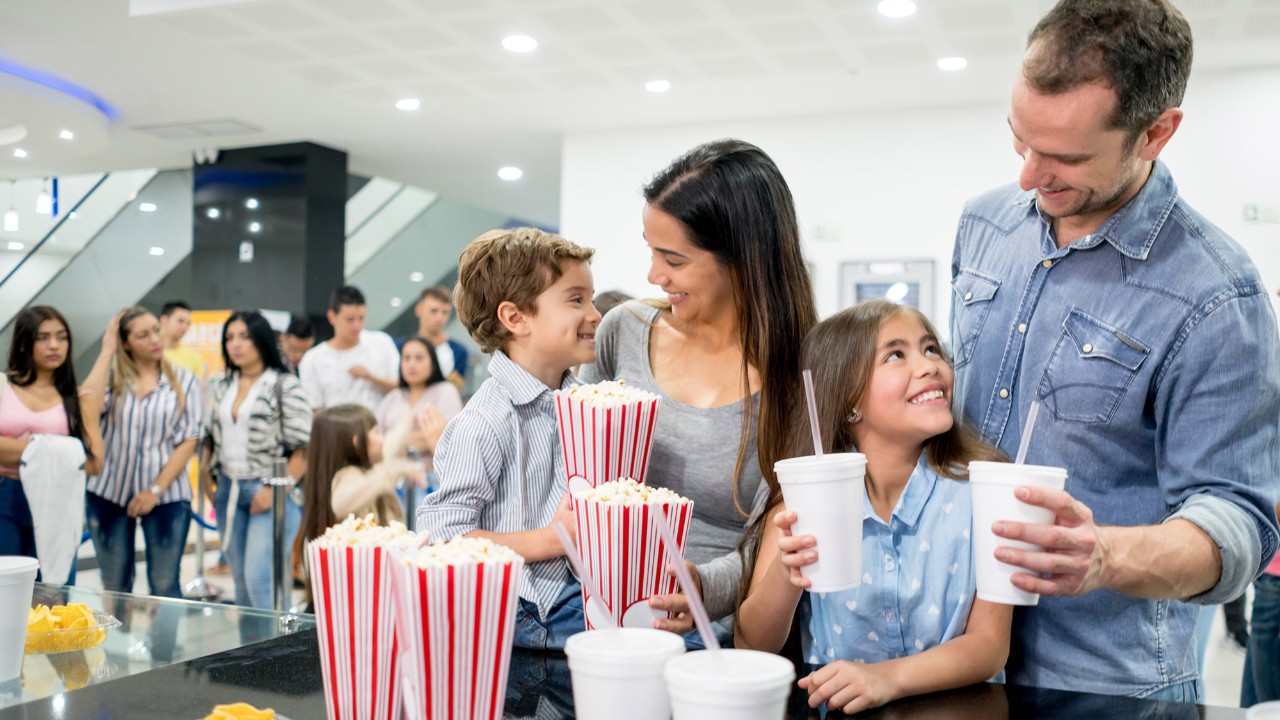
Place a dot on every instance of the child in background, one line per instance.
(347, 473)
(525, 296)
(913, 626)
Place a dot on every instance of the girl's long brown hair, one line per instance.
(733, 201)
(841, 352)
(124, 368)
(330, 450)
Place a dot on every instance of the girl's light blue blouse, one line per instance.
(917, 583)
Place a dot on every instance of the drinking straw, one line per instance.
(1027, 428)
(813, 412)
(696, 607)
(571, 554)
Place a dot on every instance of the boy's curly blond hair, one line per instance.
(515, 266)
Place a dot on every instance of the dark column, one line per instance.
(270, 229)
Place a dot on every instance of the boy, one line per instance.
(357, 366)
(525, 296)
(175, 320)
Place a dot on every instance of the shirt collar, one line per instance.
(914, 496)
(1132, 229)
(522, 387)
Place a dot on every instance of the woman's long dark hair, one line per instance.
(330, 450)
(22, 365)
(433, 377)
(733, 201)
(263, 337)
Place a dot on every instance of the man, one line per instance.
(435, 306)
(175, 320)
(296, 340)
(357, 365)
(1146, 335)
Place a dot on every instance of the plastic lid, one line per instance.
(812, 467)
(17, 565)
(623, 646)
(1010, 473)
(730, 668)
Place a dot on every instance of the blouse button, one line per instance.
(1088, 347)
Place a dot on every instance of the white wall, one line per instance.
(892, 184)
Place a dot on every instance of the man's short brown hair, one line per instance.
(437, 292)
(514, 266)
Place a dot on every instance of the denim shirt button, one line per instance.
(1088, 347)
(1004, 392)
(968, 296)
(1047, 263)
(1022, 328)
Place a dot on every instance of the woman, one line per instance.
(39, 397)
(722, 351)
(424, 396)
(258, 414)
(151, 421)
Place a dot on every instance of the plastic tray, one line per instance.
(71, 639)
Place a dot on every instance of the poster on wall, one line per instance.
(205, 337)
(906, 282)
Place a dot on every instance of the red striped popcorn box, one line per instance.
(622, 550)
(606, 433)
(455, 613)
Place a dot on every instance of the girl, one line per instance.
(258, 412)
(913, 626)
(152, 418)
(39, 396)
(346, 472)
(424, 395)
(722, 349)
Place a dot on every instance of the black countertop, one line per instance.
(284, 674)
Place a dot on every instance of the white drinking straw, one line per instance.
(571, 554)
(696, 607)
(1027, 428)
(813, 413)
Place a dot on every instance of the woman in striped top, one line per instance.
(151, 422)
(258, 414)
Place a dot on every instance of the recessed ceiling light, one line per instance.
(147, 207)
(19, 153)
(519, 43)
(67, 135)
(897, 8)
(416, 277)
(396, 302)
(74, 216)
(510, 173)
(952, 63)
(255, 227)
(213, 213)
(251, 203)
(157, 251)
(408, 104)
(15, 245)
(657, 86)
(11, 220)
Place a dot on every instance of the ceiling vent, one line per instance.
(198, 129)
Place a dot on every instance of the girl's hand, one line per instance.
(111, 337)
(431, 424)
(797, 551)
(676, 604)
(849, 687)
(261, 502)
(141, 504)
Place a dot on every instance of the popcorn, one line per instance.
(461, 551)
(366, 532)
(610, 393)
(627, 491)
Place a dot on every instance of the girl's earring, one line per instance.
(852, 416)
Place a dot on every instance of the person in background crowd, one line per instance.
(1261, 681)
(424, 397)
(356, 366)
(39, 397)
(722, 350)
(1147, 338)
(609, 300)
(175, 320)
(295, 341)
(152, 417)
(434, 308)
(258, 413)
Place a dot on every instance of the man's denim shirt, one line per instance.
(1152, 348)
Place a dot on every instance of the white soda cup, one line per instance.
(826, 495)
(17, 582)
(729, 685)
(617, 673)
(992, 485)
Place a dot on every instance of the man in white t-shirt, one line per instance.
(357, 365)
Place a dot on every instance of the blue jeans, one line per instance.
(114, 532)
(249, 544)
(564, 619)
(17, 533)
(1262, 657)
(1191, 691)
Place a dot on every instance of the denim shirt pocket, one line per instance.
(1090, 369)
(973, 294)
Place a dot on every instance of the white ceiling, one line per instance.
(330, 71)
